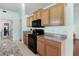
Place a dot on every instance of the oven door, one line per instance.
(32, 43)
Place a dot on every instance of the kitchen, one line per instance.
(39, 29)
(47, 28)
(36, 29)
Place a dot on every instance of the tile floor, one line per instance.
(24, 49)
(14, 46)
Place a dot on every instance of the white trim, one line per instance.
(50, 5)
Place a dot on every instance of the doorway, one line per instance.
(6, 29)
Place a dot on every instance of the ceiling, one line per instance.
(31, 7)
(11, 6)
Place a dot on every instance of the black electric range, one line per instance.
(32, 39)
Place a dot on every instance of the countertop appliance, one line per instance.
(32, 39)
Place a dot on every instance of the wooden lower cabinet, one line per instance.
(25, 38)
(41, 46)
(76, 47)
(46, 47)
(53, 48)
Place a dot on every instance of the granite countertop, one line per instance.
(29, 32)
(55, 37)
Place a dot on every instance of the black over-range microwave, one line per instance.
(36, 23)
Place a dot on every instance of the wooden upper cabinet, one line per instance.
(52, 16)
(28, 21)
(57, 14)
(38, 15)
(34, 16)
(45, 17)
(31, 19)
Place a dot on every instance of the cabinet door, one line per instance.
(41, 47)
(57, 14)
(51, 50)
(31, 19)
(34, 16)
(25, 38)
(38, 15)
(45, 17)
(28, 21)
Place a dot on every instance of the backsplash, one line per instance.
(57, 29)
(54, 35)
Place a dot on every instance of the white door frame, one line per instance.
(10, 28)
